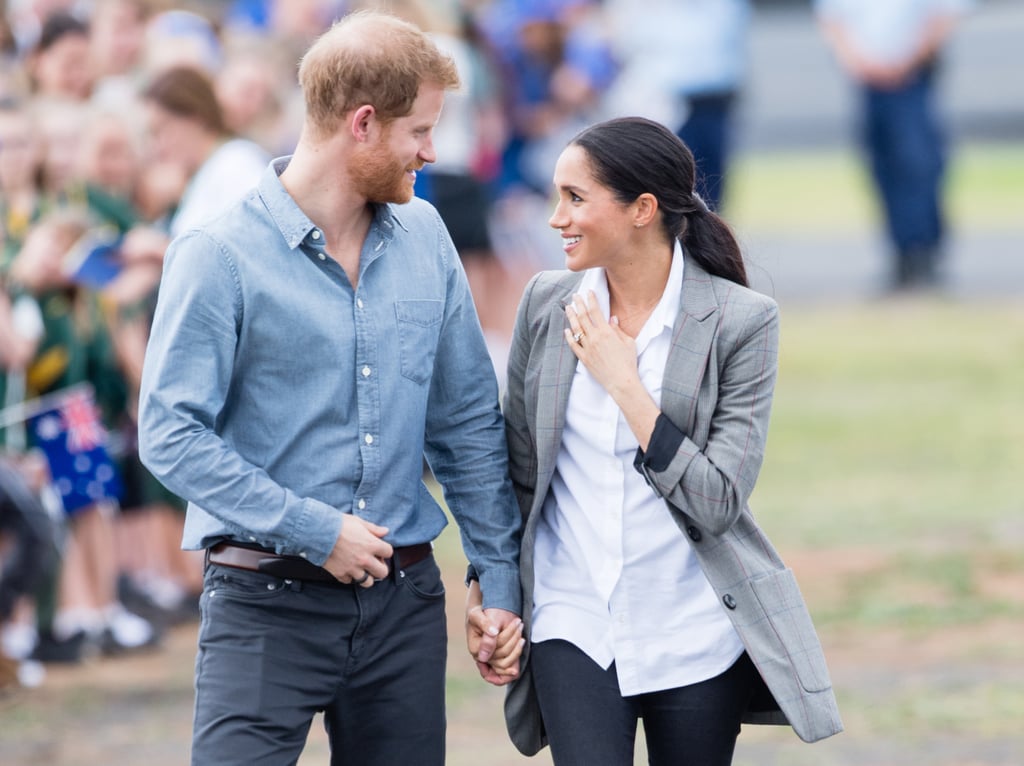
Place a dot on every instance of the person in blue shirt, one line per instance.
(310, 347)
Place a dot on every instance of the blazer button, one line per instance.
(729, 601)
(694, 533)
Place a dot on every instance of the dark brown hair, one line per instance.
(633, 156)
(187, 92)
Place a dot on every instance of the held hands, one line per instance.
(494, 638)
(359, 553)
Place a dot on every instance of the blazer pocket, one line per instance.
(786, 612)
(419, 327)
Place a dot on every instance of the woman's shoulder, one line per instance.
(554, 282)
(548, 287)
(732, 296)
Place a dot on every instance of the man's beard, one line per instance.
(379, 177)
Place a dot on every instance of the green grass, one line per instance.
(896, 424)
(829, 191)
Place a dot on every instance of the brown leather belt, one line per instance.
(298, 568)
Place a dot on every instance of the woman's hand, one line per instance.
(606, 351)
(610, 356)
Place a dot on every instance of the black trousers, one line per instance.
(274, 652)
(590, 723)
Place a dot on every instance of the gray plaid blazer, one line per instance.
(717, 389)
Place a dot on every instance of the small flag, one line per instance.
(75, 444)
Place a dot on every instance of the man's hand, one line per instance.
(359, 552)
(494, 638)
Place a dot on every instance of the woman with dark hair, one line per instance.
(639, 389)
(186, 128)
(196, 168)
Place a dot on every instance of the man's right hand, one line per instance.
(359, 552)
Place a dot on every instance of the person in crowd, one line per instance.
(21, 158)
(30, 540)
(157, 579)
(891, 49)
(186, 126)
(186, 132)
(640, 384)
(253, 95)
(82, 610)
(117, 51)
(683, 64)
(59, 65)
(311, 346)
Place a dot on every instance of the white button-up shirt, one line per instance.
(614, 574)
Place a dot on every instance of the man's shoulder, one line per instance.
(244, 221)
(414, 215)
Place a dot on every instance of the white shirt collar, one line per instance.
(663, 315)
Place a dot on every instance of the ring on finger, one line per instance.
(577, 337)
(364, 578)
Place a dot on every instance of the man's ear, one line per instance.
(362, 122)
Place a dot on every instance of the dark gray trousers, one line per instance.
(590, 723)
(273, 653)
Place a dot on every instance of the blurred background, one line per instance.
(891, 483)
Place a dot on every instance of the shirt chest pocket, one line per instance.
(419, 326)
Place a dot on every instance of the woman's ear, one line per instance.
(646, 206)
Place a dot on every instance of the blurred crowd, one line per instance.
(125, 122)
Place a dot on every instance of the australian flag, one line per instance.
(75, 443)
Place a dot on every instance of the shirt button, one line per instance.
(729, 601)
(303, 555)
(359, 302)
(362, 504)
(316, 234)
(368, 438)
(321, 256)
(366, 372)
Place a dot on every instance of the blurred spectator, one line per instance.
(292, 24)
(254, 96)
(683, 64)
(59, 64)
(60, 122)
(554, 64)
(26, 18)
(177, 38)
(157, 579)
(117, 38)
(186, 126)
(75, 348)
(21, 156)
(891, 49)
(29, 542)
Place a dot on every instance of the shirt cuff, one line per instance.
(501, 590)
(662, 447)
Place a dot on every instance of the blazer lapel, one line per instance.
(558, 366)
(692, 337)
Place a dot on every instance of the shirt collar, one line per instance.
(294, 225)
(663, 315)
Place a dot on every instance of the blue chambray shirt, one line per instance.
(275, 398)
